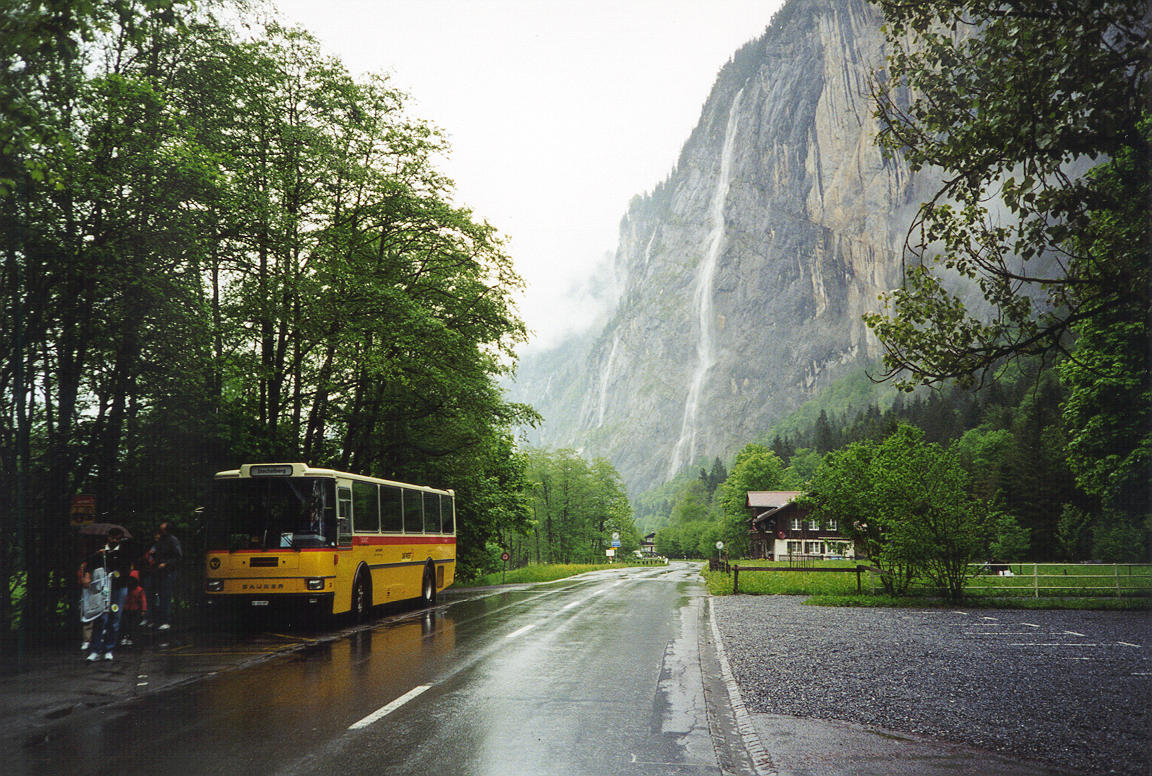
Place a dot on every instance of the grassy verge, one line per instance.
(543, 573)
(784, 582)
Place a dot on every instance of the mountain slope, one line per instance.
(747, 271)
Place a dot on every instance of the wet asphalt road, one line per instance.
(602, 674)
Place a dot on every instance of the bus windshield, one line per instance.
(272, 513)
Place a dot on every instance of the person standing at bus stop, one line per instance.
(168, 554)
(116, 560)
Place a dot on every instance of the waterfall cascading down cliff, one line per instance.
(705, 286)
(746, 272)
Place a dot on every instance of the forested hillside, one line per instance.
(1009, 438)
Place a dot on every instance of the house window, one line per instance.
(797, 524)
(832, 525)
(794, 548)
(813, 525)
(813, 548)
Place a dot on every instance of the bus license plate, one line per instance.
(259, 603)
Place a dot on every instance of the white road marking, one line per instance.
(569, 606)
(1074, 633)
(1126, 644)
(523, 630)
(1030, 625)
(999, 633)
(761, 762)
(384, 711)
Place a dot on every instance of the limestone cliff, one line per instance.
(747, 271)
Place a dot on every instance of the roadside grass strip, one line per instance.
(541, 573)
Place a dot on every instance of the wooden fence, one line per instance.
(1032, 579)
(1091, 580)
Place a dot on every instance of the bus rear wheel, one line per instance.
(428, 587)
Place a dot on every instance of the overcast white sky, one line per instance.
(558, 112)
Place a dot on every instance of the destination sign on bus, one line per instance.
(270, 471)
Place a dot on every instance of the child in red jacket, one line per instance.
(135, 605)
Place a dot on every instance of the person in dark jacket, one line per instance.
(167, 556)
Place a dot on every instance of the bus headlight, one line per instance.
(215, 585)
(314, 584)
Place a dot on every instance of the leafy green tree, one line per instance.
(906, 502)
(992, 94)
(1108, 409)
(575, 507)
(1072, 533)
(998, 102)
(1011, 541)
(668, 542)
(801, 467)
(221, 248)
(755, 467)
(983, 453)
(842, 489)
(692, 504)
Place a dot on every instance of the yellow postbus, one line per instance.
(286, 533)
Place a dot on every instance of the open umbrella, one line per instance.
(102, 529)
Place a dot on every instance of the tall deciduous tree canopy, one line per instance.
(1014, 102)
(905, 502)
(221, 247)
(575, 507)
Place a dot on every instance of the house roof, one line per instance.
(767, 503)
(771, 499)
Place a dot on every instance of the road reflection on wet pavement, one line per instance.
(596, 675)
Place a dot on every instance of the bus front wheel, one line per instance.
(361, 598)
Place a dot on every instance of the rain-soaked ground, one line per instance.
(614, 672)
(601, 674)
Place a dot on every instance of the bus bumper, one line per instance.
(321, 602)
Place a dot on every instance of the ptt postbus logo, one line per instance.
(214, 564)
(274, 586)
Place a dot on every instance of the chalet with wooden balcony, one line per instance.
(780, 528)
(648, 546)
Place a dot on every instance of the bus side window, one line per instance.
(365, 508)
(413, 512)
(391, 509)
(431, 513)
(448, 514)
(344, 514)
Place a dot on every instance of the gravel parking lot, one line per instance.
(1070, 688)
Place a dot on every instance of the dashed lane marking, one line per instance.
(384, 711)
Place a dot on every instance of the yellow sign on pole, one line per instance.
(83, 509)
